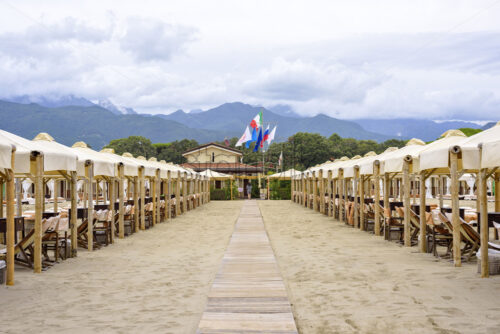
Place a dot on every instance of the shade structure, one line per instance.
(103, 164)
(131, 168)
(5, 156)
(54, 159)
(336, 166)
(393, 161)
(213, 175)
(490, 156)
(350, 169)
(366, 166)
(436, 154)
(161, 166)
(149, 168)
(286, 175)
(471, 158)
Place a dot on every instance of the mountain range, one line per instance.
(70, 118)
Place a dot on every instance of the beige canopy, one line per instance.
(436, 154)
(5, 156)
(131, 168)
(213, 175)
(470, 149)
(103, 164)
(286, 175)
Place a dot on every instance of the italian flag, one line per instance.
(256, 122)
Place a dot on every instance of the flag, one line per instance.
(266, 136)
(270, 138)
(247, 136)
(255, 124)
(259, 140)
(226, 141)
(280, 160)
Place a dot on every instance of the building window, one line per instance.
(213, 156)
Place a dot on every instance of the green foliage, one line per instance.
(470, 131)
(217, 194)
(280, 189)
(172, 152)
(136, 145)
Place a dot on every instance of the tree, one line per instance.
(135, 145)
(172, 152)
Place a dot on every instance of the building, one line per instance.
(222, 159)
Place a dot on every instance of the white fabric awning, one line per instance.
(470, 148)
(393, 161)
(436, 154)
(5, 156)
(289, 174)
(215, 175)
(130, 169)
(490, 157)
(103, 164)
(53, 158)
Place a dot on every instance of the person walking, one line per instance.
(249, 190)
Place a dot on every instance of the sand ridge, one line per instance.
(155, 281)
(342, 280)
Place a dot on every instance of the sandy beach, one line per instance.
(155, 281)
(342, 280)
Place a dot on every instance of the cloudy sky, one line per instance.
(434, 59)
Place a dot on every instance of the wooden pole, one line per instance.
(39, 199)
(387, 185)
(1, 198)
(341, 181)
(440, 185)
(406, 201)
(142, 199)
(168, 199)
(178, 194)
(334, 197)
(304, 192)
(56, 194)
(361, 202)
(321, 196)
(455, 207)
(154, 189)
(18, 195)
(136, 194)
(74, 215)
(483, 209)
(10, 228)
(89, 170)
(121, 209)
(314, 181)
(184, 192)
(423, 222)
(376, 196)
(330, 192)
(356, 199)
(112, 194)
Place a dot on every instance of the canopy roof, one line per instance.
(470, 149)
(366, 166)
(490, 157)
(103, 164)
(392, 162)
(149, 168)
(5, 156)
(131, 168)
(54, 159)
(215, 175)
(436, 154)
(287, 175)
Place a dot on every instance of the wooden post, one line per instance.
(321, 195)
(178, 194)
(387, 185)
(440, 192)
(112, 194)
(121, 209)
(423, 222)
(154, 195)
(406, 200)
(142, 199)
(56, 194)
(314, 181)
(39, 199)
(10, 227)
(303, 181)
(136, 194)
(184, 192)
(1, 198)
(376, 196)
(334, 197)
(341, 182)
(361, 202)
(483, 209)
(89, 171)
(74, 215)
(356, 198)
(455, 207)
(330, 192)
(168, 199)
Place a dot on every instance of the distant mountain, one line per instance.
(96, 125)
(284, 110)
(117, 110)
(488, 125)
(406, 128)
(236, 116)
(52, 101)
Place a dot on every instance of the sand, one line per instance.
(342, 280)
(155, 281)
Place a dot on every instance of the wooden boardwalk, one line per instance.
(248, 294)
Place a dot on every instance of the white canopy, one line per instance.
(470, 149)
(349, 169)
(284, 175)
(436, 154)
(490, 157)
(336, 166)
(131, 168)
(393, 162)
(215, 175)
(103, 164)
(366, 167)
(53, 158)
(5, 156)
(149, 168)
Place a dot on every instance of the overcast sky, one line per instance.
(347, 59)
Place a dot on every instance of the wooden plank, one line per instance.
(248, 294)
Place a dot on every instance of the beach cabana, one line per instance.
(37, 160)
(435, 158)
(7, 162)
(479, 154)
